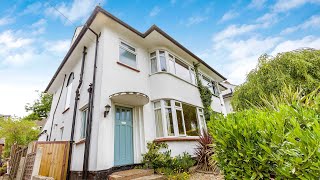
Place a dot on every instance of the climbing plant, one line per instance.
(205, 94)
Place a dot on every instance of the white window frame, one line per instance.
(174, 108)
(129, 50)
(82, 130)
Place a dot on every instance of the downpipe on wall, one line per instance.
(76, 100)
(54, 113)
(91, 91)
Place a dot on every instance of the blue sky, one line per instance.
(228, 35)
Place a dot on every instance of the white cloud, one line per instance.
(9, 40)
(58, 47)
(239, 57)
(155, 11)
(257, 4)
(33, 8)
(6, 20)
(312, 22)
(14, 97)
(289, 45)
(235, 30)
(286, 5)
(39, 27)
(228, 16)
(75, 11)
(193, 20)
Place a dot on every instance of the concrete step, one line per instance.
(151, 177)
(131, 174)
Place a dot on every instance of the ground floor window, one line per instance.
(174, 118)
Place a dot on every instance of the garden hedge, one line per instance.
(281, 140)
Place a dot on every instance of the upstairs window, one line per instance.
(69, 90)
(210, 84)
(127, 55)
(163, 61)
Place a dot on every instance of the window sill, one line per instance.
(168, 139)
(129, 67)
(81, 141)
(65, 110)
(164, 72)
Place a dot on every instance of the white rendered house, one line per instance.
(118, 89)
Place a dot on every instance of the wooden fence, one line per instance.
(54, 159)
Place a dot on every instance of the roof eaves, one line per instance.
(151, 29)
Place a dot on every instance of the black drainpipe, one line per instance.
(54, 113)
(90, 111)
(75, 110)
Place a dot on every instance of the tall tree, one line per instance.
(297, 69)
(40, 107)
(17, 131)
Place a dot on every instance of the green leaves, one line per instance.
(17, 131)
(40, 108)
(280, 140)
(298, 69)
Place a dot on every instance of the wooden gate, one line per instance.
(54, 160)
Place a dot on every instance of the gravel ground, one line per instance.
(204, 176)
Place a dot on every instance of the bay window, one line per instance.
(163, 61)
(174, 118)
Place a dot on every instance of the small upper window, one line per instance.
(84, 119)
(69, 90)
(127, 55)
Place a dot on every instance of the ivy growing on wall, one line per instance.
(205, 94)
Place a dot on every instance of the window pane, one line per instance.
(207, 82)
(180, 122)
(157, 104)
(128, 47)
(170, 128)
(193, 76)
(182, 70)
(68, 96)
(127, 57)
(159, 127)
(163, 64)
(171, 65)
(203, 122)
(84, 123)
(153, 54)
(167, 103)
(178, 104)
(190, 120)
(154, 65)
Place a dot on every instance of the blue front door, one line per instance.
(123, 137)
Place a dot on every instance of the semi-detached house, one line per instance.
(118, 89)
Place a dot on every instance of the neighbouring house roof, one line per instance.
(143, 35)
(42, 122)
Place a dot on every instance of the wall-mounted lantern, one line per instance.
(107, 109)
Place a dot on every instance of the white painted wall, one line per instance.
(113, 78)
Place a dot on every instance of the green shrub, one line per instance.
(163, 163)
(204, 151)
(281, 140)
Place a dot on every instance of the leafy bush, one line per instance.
(173, 167)
(280, 140)
(299, 69)
(204, 152)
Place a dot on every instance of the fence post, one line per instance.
(37, 162)
(21, 168)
